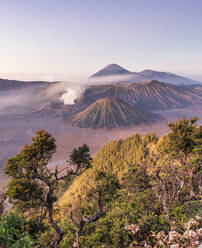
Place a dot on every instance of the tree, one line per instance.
(106, 186)
(184, 140)
(33, 185)
(178, 163)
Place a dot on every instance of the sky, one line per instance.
(75, 38)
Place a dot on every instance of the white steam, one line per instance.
(70, 96)
(73, 92)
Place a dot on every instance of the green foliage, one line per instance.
(13, 233)
(80, 157)
(140, 208)
(35, 227)
(34, 186)
(32, 156)
(25, 189)
(184, 138)
(106, 185)
(177, 164)
(193, 208)
(105, 189)
(142, 182)
(116, 157)
(139, 161)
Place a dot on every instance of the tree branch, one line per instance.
(96, 216)
(86, 220)
(73, 220)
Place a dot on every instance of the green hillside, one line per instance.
(115, 157)
(142, 191)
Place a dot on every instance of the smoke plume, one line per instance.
(73, 91)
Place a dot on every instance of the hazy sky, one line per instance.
(78, 37)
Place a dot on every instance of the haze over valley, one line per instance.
(111, 104)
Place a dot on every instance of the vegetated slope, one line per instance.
(6, 84)
(150, 95)
(115, 157)
(111, 70)
(111, 113)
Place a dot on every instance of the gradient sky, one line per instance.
(81, 36)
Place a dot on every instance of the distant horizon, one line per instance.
(78, 76)
(77, 37)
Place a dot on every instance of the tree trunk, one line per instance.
(78, 234)
(59, 233)
(191, 190)
(86, 220)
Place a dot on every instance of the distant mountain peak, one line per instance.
(111, 70)
(113, 67)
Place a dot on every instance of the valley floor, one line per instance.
(15, 131)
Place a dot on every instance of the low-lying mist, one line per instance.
(14, 101)
(67, 92)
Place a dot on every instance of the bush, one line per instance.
(13, 233)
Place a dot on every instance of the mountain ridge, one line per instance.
(148, 74)
(7, 84)
(148, 95)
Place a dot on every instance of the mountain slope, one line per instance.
(111, 70)
(150, 95)
(111, 113)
